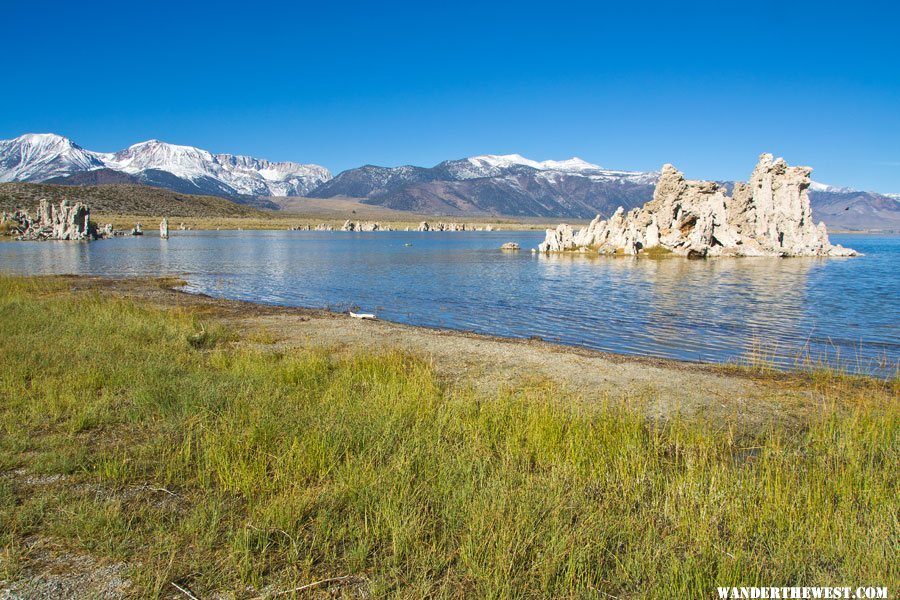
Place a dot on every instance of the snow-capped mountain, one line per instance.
(487, 184)
(496, 184)
(493, 165)
(41, 156)
(50, 157)
(815, 186)
(514, 185)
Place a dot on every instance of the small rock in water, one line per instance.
(509, 246)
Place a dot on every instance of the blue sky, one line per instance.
(706, 87)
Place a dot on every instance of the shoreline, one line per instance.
(142, 287)
(278, 221)
(746, 365)
(751, 395)
(262, 308)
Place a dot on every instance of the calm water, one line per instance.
(713, 310)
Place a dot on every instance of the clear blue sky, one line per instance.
(633, 85)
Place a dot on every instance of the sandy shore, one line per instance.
(662, 387)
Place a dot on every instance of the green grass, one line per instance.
(656, 251)
(197, 459)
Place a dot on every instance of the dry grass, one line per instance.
(160, 439)
(123, 199)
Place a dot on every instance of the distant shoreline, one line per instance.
(281, 221)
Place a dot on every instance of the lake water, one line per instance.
(840, 310)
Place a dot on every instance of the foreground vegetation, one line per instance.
(162, 440)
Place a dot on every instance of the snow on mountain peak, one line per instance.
(183, 161)
(43, 155)
(502, 161)
(573, 164)
(43, 138)
(824, 187)
(38, 157)
(493, 165)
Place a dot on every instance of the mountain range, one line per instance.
(509, 185)
(495, 185)
(55, 159)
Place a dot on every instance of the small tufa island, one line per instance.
(63, 222)
(67, 222)
(768, 216)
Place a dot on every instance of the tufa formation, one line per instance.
(768, 216)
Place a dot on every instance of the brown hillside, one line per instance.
(123, 199)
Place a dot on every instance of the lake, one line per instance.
(842, 311)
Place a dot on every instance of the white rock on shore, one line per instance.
(64, 222)
(363, 226)
(426, 226)
(768, 216)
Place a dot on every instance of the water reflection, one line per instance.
(659, 306)
(708, 309)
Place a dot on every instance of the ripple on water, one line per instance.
(839, 310)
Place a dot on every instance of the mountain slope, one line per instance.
(516, 186)
(102, 176)
(49, 157)
(850, 209)
(40, 156)
(489, 184)
(219, 173)
(122, 199)
(495, 185)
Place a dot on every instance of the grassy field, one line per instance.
(161, 440)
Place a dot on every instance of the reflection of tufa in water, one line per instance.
(769, 216)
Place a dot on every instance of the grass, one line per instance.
(165, 441)
(768, 358)
(656, 251)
